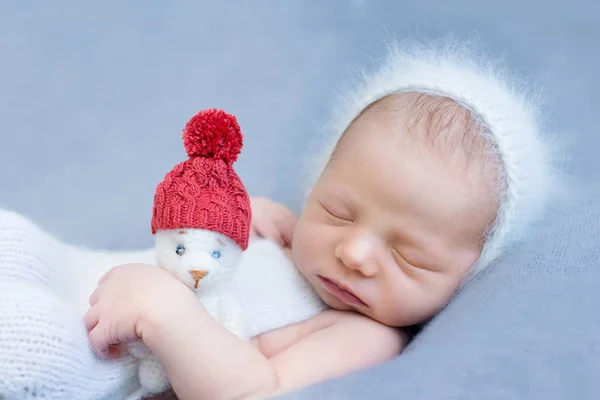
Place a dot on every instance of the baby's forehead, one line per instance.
(439, 122)
(434, 126)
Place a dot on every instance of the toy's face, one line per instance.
(200, 258)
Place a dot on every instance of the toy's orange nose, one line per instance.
(197, 274)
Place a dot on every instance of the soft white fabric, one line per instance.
(44, 351)
(271, 291)
(44, 289)
(455, 71)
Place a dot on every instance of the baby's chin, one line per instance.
(336, 304)
(401, 321)
(398, 321)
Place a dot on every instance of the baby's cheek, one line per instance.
(304, 245)
(299, 249)
(430, 299)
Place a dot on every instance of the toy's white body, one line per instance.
(205, 261)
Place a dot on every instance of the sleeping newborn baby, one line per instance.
(432, 168)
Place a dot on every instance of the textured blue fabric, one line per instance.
(526, 329)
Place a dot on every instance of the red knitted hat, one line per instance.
(204, 192)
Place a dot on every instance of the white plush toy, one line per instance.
(201, 221)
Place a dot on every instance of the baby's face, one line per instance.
(391, 229)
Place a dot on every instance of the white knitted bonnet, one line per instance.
(504, 110)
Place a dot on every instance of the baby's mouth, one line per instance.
(197, 275)
(342, 293)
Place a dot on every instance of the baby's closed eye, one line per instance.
(336, 212)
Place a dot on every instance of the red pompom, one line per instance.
(213, 133)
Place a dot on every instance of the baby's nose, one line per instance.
(197, 274)
(357, 252)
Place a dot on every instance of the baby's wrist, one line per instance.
(171, 310)
(148, 325)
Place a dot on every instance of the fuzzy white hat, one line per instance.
(509, 115)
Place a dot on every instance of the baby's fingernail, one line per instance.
(114, 351)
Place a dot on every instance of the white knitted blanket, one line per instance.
(44, 289)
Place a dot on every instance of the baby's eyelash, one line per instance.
(333, 214)
(401, 260)
(397, 256)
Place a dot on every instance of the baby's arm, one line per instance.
(329, 345)
(202, 359)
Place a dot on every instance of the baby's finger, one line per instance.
(104, 277)
(95, 296)
(90, 319)
(99, 342)
(114, 351)
(107, 275)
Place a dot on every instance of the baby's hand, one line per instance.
(272, 221)
(126, 299)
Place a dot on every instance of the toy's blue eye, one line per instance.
(216, 254)
(180, 249)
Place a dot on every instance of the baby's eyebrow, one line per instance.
(182, 232)
(220, 241)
